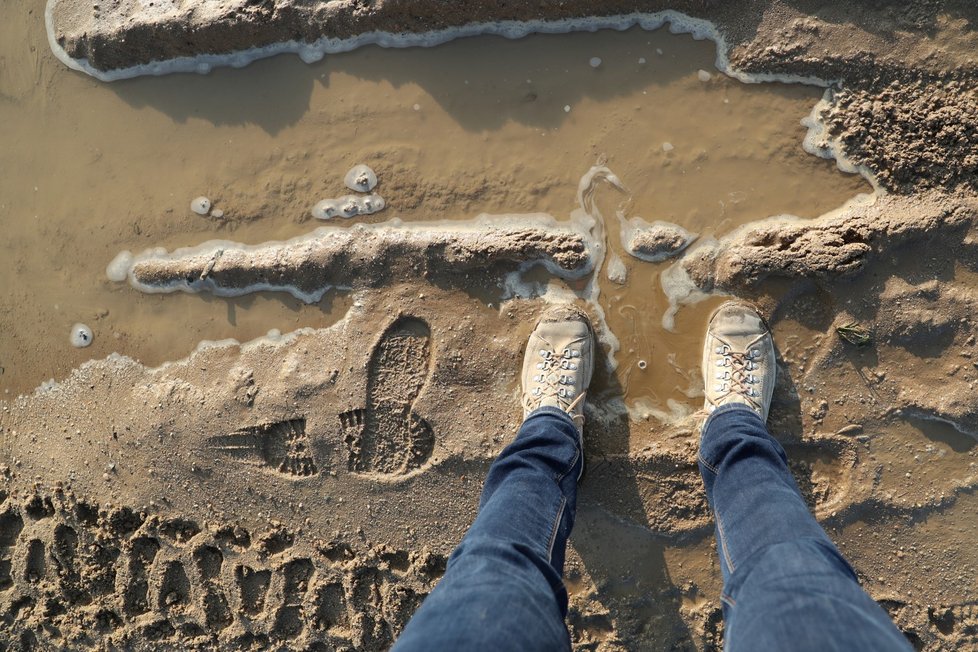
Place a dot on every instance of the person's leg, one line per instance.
(785, 585)
(502, 589)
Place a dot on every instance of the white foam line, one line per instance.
(924, 415)
(589, 221)
(819, 143)
(675, 413)
(588, 213)
(679, 23)
(274, 337)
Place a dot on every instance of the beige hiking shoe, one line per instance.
(558, 362)
(738, 359)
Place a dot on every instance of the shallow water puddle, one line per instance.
(478, 125)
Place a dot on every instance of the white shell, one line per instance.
(81, 336)
(200, 205)
(360, 178)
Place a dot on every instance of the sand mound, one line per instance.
(363, 256)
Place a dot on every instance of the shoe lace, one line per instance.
(734, 375)
(557, 377)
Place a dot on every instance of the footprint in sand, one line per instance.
(387, 436)
(281, 446)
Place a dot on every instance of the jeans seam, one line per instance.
(556, 526)
(723, 544)
(563, 475)
(708, 465)
(725, 597)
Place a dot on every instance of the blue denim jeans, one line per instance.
(503, 587)
(786, 587)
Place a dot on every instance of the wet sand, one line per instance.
(116, 166)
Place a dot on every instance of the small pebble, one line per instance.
(81, 336)
(200, 205)
(704, 76)
(567, 108)
(417, 107)
(217, 213)
(667, 147)
(641, 59)
(360, 178)
(595, 62)
(642, 364)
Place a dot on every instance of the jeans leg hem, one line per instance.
(551, 410)
(721, 413)
(723, 409)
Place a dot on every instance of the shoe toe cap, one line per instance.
(736, 320)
